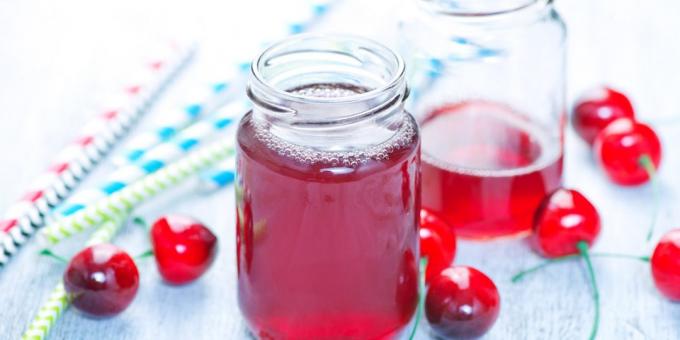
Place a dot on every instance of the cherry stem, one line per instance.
(583, 249)
(647, 164)
(49, 253)
(140, 221)
(421, 296)
(621, 256)
(144, 255)
(519, 276)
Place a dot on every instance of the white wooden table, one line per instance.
(55, 55)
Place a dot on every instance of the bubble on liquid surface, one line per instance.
(402, 138)
(328, 90)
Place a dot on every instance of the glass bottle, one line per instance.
(327, 192)
(488, 89)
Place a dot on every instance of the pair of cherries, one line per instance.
(628, 151)
(461, 301)
(567, 224)
(102, 280)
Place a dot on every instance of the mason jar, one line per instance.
(488, 90)
(328, 192)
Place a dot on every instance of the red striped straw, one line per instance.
(95, 140)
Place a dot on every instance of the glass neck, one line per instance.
(324, 90)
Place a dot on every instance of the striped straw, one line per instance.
(159, 156)
(318, 9)
(75, 161)
(298, 22)
(223, 174)
(139, 192)
(217, 178)
(208, 102)
(305, 19)
(48, 314)
(58, 300)
(197, 106)
(460, 49)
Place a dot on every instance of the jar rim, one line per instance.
(480, 14)
(396, 79)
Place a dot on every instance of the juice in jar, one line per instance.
(327, 240)
(486, 167)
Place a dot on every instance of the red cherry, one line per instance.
(437, 243)
(596, 109)
(564, 219)
(101, 280)
(666, 265)
(462, 302)
(620, 148)
(183, 247)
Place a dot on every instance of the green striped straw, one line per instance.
(58, 300)
(140, 191)
(48, 314)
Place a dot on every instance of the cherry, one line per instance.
(437, 243)
(101, 280)
(183, 247)
(628, 151)
(566, 223)
(564, 219)
(596, 109)
(666, 265)
(462, 302)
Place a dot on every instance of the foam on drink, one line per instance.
(352, 158)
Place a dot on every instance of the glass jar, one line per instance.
(488, 89)
(328, 192)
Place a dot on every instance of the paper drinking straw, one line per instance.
(222, 175)
(298, 22)
(317, 10)
(139, 192)
(58, 300)
(197, 106)
(79, 158)
(159, 156)
(48, 314)
(305, 19)
(211, 100)
(430, 70)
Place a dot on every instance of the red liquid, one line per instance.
(326, 249)
(486, 168)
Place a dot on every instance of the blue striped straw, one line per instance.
(222, 175)
(74, 162)
(299, 22)
(306, 19)
(461, 49)
(159, 156)
(155, 158)
(197, 109)
(206, 102)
